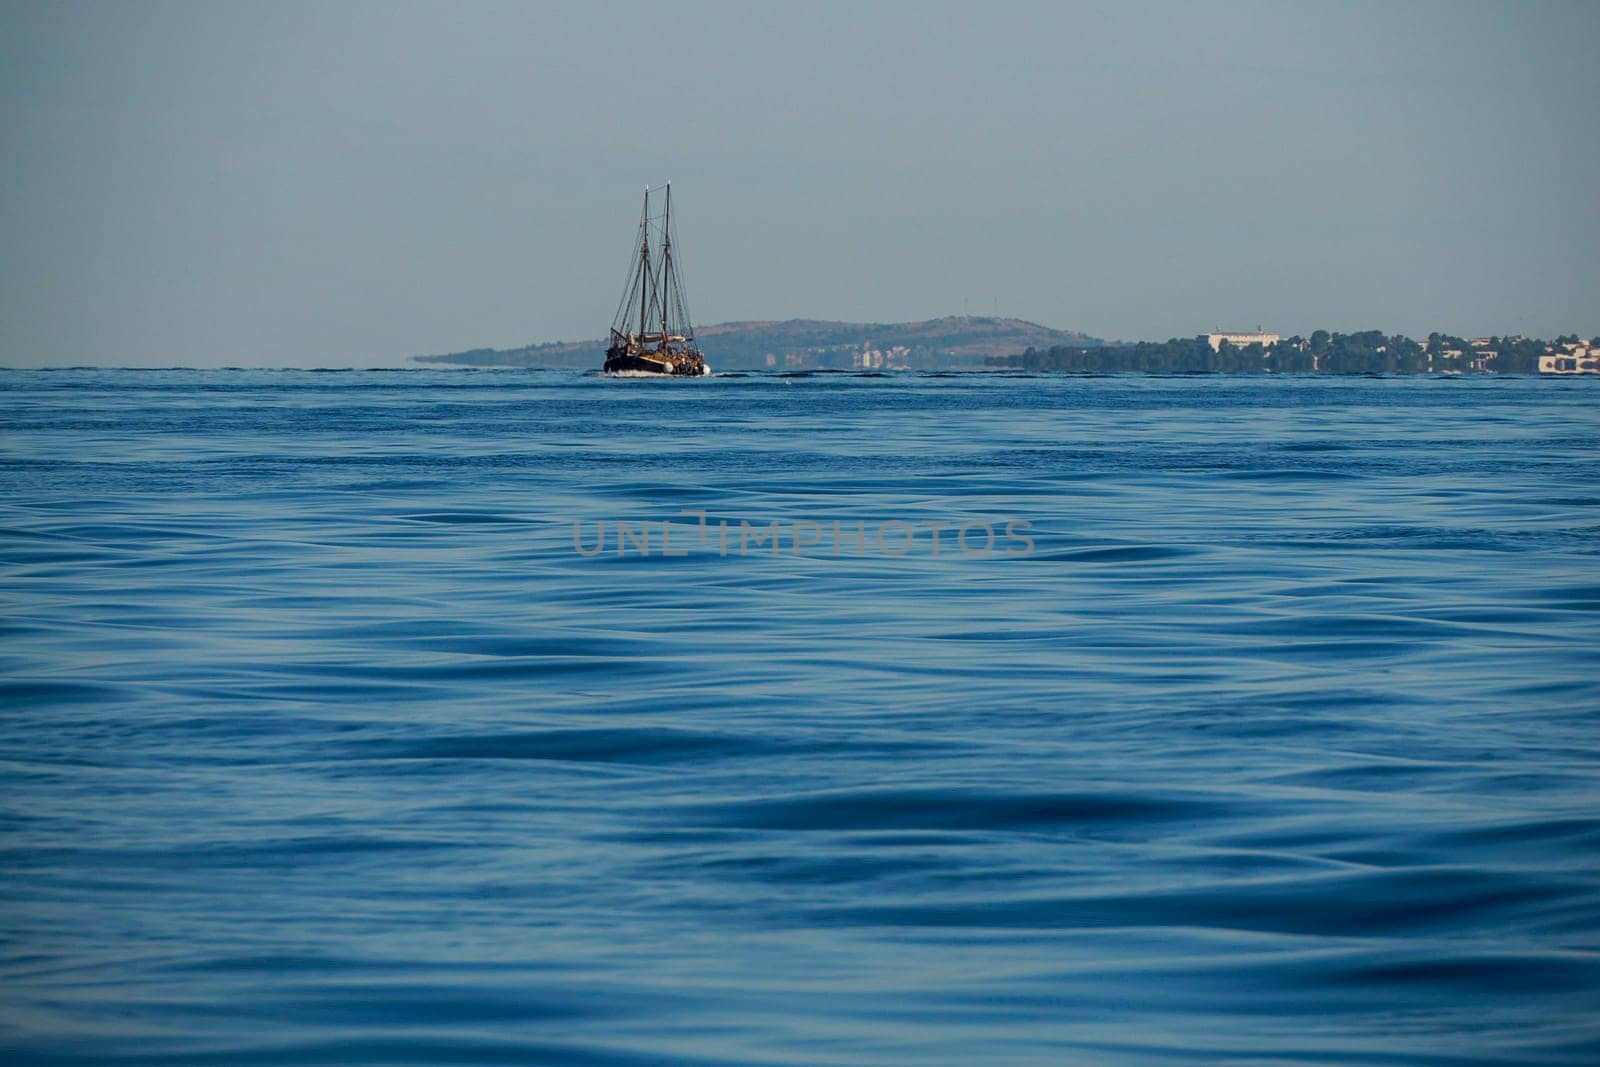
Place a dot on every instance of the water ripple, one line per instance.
(320, 743)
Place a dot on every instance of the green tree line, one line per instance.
(1363, 352)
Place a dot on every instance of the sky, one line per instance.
(352, 184)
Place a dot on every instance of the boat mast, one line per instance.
(666, 261)
(644, 259)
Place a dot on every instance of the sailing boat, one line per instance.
(651, 333)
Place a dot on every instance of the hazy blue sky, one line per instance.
(338, 183)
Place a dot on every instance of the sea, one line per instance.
(492, 717)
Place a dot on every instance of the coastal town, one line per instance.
(1441, 354)
(1261, 351)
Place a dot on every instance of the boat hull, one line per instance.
(634, 364)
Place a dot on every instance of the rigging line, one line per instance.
(681, 301)
(620, 317)
(619, 320)
(644, 262)
(678, 289)
(633, 271)
(673, 296)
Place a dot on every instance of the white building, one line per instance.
(1241, 339)
(1576, 359)
(896, 358)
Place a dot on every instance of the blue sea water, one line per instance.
(322, 741)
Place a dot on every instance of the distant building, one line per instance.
(1574, 359)
(896, 358)
(1241, 340)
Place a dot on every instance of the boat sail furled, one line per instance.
(651, 333)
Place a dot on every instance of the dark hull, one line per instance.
(636, 363)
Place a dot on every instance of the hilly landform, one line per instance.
(956, 342)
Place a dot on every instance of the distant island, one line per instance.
(957, 342)
(960, 342)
